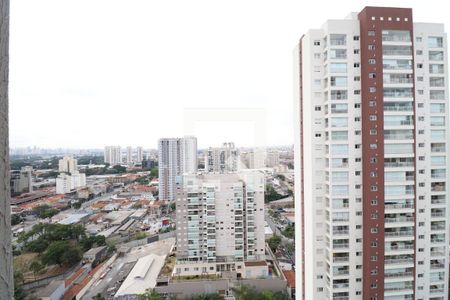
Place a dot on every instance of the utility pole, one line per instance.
(6, 270)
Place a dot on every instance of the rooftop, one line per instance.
(290, 277)
(261, 263)
(51, 288)
(143, 276)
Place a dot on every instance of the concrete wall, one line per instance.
(181, 290)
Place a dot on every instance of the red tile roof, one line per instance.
(290, 277)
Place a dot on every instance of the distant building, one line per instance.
(129, 155)
(220, 222)
(176, 156)
(222, 159)
(95, 254)
(21, 181)
(68, 165)
(54, 291)
(112, 155)
(272, 159)
(139, 154)
(66, 183)
(255, 159)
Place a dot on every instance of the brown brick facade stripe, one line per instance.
(373, 133)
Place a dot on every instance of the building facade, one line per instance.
(176, 156)
(112, 155)
(371, 158)
(219, 221)
(222, 159)
(21, 181)
(67, 164)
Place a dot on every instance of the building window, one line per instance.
(373, 117)
(356, 51)
(356, 65)
(372, 89)
(357, 78)
(316, 43)
(372, 103)
(371, 33)
(374, 202)
(371, 47)
(372, 75)
(356, 37)
(372, 61)
(373, 132)
(374, 188)
(317, 108)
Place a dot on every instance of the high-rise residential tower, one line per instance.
(113, 155)
(220, 222)
(176, 156)
(129, 155)
(372, 141)
(222, 159)
(139, 154)
(67, 164)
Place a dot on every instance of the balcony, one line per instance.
(340, 232)
(399, 219)
(399, 248)
(398, 261)
(398, 275)
(399, 234)
(437, 253)
(338, 259)
(437, 266)
(341, 246)
(438, 214)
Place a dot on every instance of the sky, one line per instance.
(90, 73)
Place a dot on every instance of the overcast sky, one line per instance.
(89, 73)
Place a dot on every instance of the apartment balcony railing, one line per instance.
(397, 80)
(438, 214)
(341, 259)
(341, 298)
(398, 164)
(397, 52)
(401, 123)
(398, 289)
(340, 285)
(396, 38)
(437, 253)
(398, 136)
(398, 261)
(434, 291)
(437, 266)
(397, 108)
(340, 232)
(396, 67)
(394, 206)
(397, 248)
(437, 241)
(400, 274)
(437, 227)
(340, 219)
(399, 233)
(340, 246)
(397, 220)
(341, 272)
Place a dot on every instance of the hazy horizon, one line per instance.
(95, 73)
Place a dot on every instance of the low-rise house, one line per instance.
(54, 291)
(95, 254)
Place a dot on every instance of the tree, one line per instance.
(289, 231)
(98, 297)
(172, 206)
(6, 270)
(16, 219)
(62, 253)
(39, 245)
(44, 211)
(274, 242)
(154, 173)
(36, 267)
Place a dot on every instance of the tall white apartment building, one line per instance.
(113, 155)
(372, 142)
(129, 155)
(222, 159)
(139, 154)
(66, 183)
(67, 164)
(189, 154)
(176, 156)
(219, 221)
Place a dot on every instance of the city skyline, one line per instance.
(128, 89)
